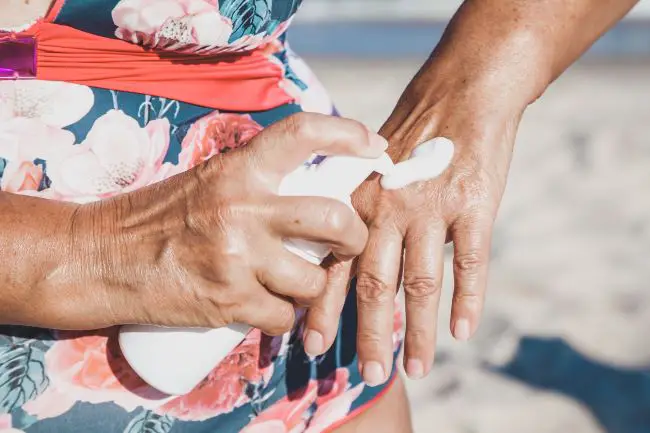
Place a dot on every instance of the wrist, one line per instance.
(504, 77)
(85, 289)
(466, 90)
(127, 241)
(508, 51)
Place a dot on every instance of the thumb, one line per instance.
(283, 146)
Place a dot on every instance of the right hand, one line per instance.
(204, 248)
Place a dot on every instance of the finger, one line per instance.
(283, 146)
(266, 311)
(323, 220)
(423, 268)
(286, 274)
(471, 236)
(377, 279)
(322, 321)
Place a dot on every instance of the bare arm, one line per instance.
(516, 48)
(193, 250)
(34, 243)
(495, 58)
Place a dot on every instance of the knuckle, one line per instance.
(229, 271)
(284, 319)
(337, 218)
(467, 298)
(421, 287)
(417, 335)
(475, 222)
(369, 337)
(473, 188)
(388, 218)
(355, 130)
(372, 291)
(223, 317)
(313, 286)
(469, 262)
(469, 185)
(222, 309)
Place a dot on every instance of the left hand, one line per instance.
(460, 206)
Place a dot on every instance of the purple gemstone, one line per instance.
(17, 57)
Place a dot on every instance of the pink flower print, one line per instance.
(32, 115)
(90, 368)
(398, 326)
(224, 389)
(248, 43)
(213, 134)
(333, 399)
(5, 422)
(270, 48)
(267, 43)
(279, 30)
(50, 404)
(177, 25)
(21, 176)
(335, 404)
(6, 425)
(288, 415)
(53, 103)
(24, 139)
(118, 156)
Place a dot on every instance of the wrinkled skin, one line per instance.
(201, 249)
(459, 206)
(495, 58)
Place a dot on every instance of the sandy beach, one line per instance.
(564, 343)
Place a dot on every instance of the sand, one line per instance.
(564, 344)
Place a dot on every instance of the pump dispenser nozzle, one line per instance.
(336, 176)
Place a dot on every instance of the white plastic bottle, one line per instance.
(174, 360)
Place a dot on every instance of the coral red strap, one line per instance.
(249, 82)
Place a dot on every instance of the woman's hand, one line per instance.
(204, 249)
(409, 227)
(459, 206)
(495, 58)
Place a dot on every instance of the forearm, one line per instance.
(73, 266)
(538, 39)
(495, 58)
(35, 241)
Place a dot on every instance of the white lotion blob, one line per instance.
(428, 160)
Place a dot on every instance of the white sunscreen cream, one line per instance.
(175, 360)
(427, 161)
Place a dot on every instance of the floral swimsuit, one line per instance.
(127, 93)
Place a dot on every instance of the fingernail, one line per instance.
(373, 373)
(461, 329)
(415, 369)
(313, 342)
(376, 141)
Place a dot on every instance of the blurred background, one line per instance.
(564, 345)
